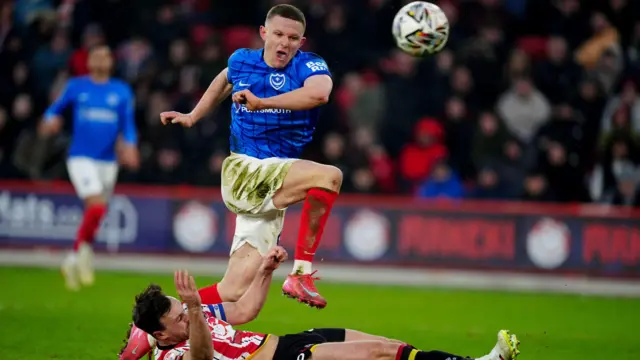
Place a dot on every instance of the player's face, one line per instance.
(100, 60)
(282, 39)
(176, 324)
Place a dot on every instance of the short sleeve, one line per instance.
(312, 65)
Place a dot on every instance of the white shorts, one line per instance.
(248, 187)
(92, 177)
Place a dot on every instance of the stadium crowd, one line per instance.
(531, 99)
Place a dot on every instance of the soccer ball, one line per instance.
(420, 28)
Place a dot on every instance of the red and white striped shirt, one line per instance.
(228, 343)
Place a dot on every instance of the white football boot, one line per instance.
(85, 264)
(69, 271)
(506, 348)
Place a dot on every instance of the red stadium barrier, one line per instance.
(589, 239)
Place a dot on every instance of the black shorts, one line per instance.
(298, 346)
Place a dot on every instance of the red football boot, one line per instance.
(137, 346)
(302, 288)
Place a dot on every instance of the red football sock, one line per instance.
(315, 212)
(210, 295)
(90, 224)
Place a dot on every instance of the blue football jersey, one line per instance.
(271, 132)
(101, 112)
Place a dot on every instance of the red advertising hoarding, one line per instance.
(589, 239)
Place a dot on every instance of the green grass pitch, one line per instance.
(39, 319)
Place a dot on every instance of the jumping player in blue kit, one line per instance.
(276, 94)
(103, 113)
(277, 91)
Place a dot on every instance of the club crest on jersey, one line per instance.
(220, 330)
(277, 81)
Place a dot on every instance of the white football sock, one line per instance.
(301, 267)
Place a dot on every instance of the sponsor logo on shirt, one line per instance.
(317, 66)
(243, 109)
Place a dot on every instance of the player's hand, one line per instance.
(130, 157)
(186, 288)
(273, 259)
(50, 127)
(175, 117)
(250, 101)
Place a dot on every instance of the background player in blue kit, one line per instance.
(276, 93)
(103, 114)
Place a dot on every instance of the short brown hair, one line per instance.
(288, 12)
(150, 306)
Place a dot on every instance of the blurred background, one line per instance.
(522, 135)
(531, 100)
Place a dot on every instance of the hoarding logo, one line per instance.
(367, 235)
(549, 243)
(195, 227)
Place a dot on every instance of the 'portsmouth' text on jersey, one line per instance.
(271, 132)
(101, 112)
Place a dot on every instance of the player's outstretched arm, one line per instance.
(249, 305)
(201, 347)
(315, 92)
(218, 90)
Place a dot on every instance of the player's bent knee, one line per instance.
(335, 176)
(303, 176)
(328, 177)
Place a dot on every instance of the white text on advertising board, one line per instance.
(40, 217)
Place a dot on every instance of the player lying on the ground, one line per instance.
(196, 331)
(103, 114)
(243, 264)
(276, 94)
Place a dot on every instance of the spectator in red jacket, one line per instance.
(418, 157)
(91, 37)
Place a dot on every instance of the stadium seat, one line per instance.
(238, 37)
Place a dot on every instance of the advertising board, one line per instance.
(581, 239)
